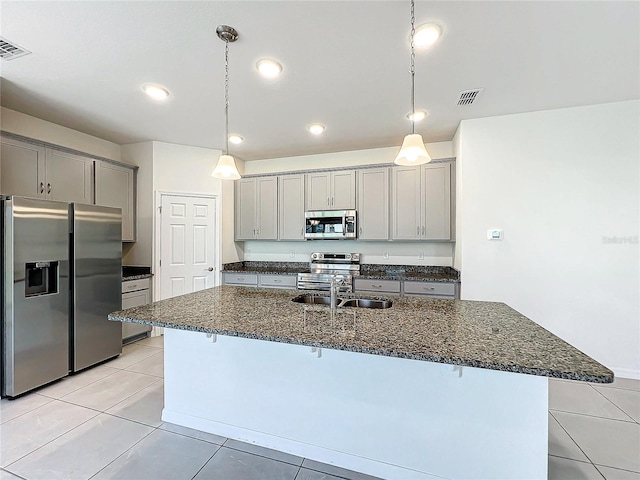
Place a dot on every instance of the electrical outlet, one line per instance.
(292, 254)
(421, 256)
(385, 255)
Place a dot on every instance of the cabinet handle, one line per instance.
(418, 230)
(258, 233)
(277, 281)
(48, 188)
(332, 199)
(41, 187)
(375, 285)
(254, 232)
(423, 230)
(302, 232)
(328, 201)
(360, 230)
(429, 288)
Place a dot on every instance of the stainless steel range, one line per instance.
(324, 266)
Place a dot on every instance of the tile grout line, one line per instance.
(615, 404)
(595, 416)
(123, 453)
(207, 462)
(32, 410)
(54, 439)
(574, 441)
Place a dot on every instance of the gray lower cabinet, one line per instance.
(431, 289)
(260, 280)
(134, 294)
(115, 187)
(40, 172)
(367, 285)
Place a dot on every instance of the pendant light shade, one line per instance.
(226, 168)
(412, 151)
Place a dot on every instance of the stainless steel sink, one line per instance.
(314, 299)
(366, 303)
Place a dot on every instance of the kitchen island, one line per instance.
(425, 389)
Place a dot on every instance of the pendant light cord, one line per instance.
(226, 96)
(412, 70)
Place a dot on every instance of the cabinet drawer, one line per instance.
(133, 285)
(250, 279)
(278, 281)
(390, 286)
(430, 288)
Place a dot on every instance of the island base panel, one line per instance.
(384, 416)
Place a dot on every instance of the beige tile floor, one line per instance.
(105, 424)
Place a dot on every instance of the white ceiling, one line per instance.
(345, 65)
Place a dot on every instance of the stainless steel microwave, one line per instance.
(331, 224)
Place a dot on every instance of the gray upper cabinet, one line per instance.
(22, 169)
(421, 202)
(373, 204)
(69, 177)
(257, 208)
(291, 207)
(115, 187)
(35, 171)
(331, 190)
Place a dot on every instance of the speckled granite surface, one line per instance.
(414, 273)
(137, 277)
(267, 267)
(478, 334)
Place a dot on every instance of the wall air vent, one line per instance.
(469, 96)
(9, 50)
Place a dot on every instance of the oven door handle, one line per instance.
(344, 224)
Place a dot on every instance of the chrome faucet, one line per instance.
(336, 282)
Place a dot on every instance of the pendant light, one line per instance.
(226, 167)
(412, 151)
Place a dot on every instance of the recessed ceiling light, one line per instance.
(316, 128)
(419, 115)
(155, 92)
(236, 139)
(426, 35)
(269, 68)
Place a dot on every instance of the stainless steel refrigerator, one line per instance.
(96, 284)
(61, 267)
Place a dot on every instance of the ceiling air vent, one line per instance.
(9, 50)
(469, 96)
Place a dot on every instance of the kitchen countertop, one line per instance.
(137, 277)
(478, 334)
(414, 273)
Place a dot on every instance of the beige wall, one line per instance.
(32, 127)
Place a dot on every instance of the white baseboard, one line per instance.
(305, 450)
(626, 373)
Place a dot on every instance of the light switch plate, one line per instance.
(495, 234)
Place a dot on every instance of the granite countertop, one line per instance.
(368, 271)
(469, 333)
(137, 277)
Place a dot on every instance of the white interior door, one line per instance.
(187, 244)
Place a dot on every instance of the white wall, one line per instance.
(560, 183)
(32, 127)
(185, 169)
(339, 159)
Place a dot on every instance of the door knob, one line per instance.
(210, 269)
